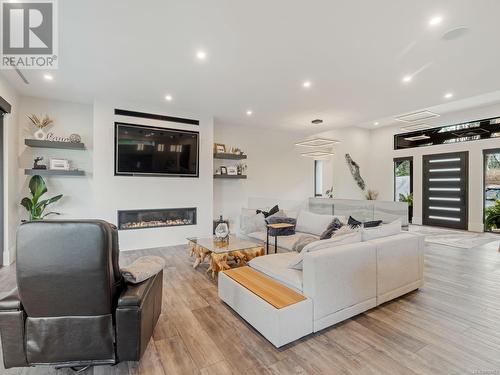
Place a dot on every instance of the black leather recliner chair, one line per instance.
(72, 308)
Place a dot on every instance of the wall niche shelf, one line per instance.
(226, 156)
(51, 144)
(53, 172)
(231, 177)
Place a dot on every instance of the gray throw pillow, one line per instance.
(303, 241)
(330, 230)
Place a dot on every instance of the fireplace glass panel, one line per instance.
(169, 217)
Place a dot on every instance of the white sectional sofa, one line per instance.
(338, 283)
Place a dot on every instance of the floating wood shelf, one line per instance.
(51, 144)
(226, 156)
(234, 177)
(53, 172)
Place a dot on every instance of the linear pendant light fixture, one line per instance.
(317, 154)
(317, 142)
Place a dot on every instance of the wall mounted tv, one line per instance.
(152, 151)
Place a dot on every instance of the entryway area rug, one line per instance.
(454, 238)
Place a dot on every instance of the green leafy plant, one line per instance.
(34, 205)
(492, 220)
(406, 198)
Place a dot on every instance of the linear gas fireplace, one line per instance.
(168, 217)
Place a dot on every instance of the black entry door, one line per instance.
(444, 190)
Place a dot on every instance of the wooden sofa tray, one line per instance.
(271, 291)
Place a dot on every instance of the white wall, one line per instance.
(275, 170)
(114, 193)
(100, 194)
(381, 154)
(353, 141)
(68, 118)
(10, 172)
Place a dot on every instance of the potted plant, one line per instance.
(492, 220)
(408, 199)
(371, 195)
(329, 193)
(34, 205)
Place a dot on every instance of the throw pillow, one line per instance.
(330, 243)
(382, 231)
(303, 241)
(142, 269)
(352, 222)
(272, 211)
(371, 224)
(344, 229)
(281, 231)
(309, 222)
(332, 227)
(253, 223)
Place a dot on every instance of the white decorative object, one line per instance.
(39, 134)
(40, 123)
(222, 231)
(232, 171)
(52, 137)
(59, 164)
(75, 138)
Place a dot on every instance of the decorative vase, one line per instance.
(40, 134)
(222, 232)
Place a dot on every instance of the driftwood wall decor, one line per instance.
(354, 168)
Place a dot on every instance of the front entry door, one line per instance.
(444, 190)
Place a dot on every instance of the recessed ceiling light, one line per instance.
(249, 112)
(376, 123)
(448, 95)
(436, 20)
(168, 98)
(407, 78)
(201, 55)
(306, 84)
(48, 77)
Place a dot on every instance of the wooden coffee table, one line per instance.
(220, 253)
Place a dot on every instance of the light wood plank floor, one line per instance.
(450, 326)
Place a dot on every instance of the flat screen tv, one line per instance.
(152, 151)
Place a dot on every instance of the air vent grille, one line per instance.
(417, 116)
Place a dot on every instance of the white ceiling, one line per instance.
(355, 53)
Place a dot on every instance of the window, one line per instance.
(466, 132)
(403, 183)
(318, 178)
(491, 184)
(403, 178)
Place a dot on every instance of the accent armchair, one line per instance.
(72, 307)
